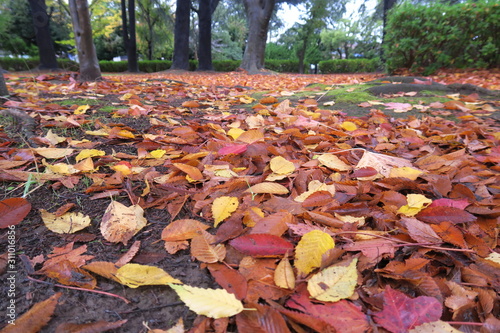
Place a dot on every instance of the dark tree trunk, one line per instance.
(3, 86)
(181, 35)
(388, 4)
(124, 24)
(89, 65)
(258, 15)
(206, 9)
(44, 42)
(132, 42)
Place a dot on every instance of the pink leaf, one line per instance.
(232, 149)
(402, 313)
(441, 214)
(443, 202)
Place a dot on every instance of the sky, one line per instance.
(291, 14)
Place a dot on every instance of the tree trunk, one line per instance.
(258, 15)
(132, 41)
(89, 65)
(181, 35)
(44, 42)
(205, 36)
(388, 4)
(124, 24)
(3, 86)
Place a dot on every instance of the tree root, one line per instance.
(26, 124)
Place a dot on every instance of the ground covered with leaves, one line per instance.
(223, 202)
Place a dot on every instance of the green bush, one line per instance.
(283, 66)
(440, 35)
(22, 64)
(226, 65)
(349, 66)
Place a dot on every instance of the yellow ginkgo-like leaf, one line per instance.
(67, 223)
(333, 162)
(281, 166)
(283, 275)
(310, 249)
(223, 207)
(136, 275)
(204, 249)
(267, 187)
(406, 172)
(334, 283)
(213, 303)
(415, 203)
(348, 126)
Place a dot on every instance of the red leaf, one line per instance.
(402, 313)
(229, 279)
(364, 172)
(13, 211)
(443, 202)
(232, 149)
(261, 245)
(441, 214)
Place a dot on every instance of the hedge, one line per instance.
(427, 38)
(349, 66)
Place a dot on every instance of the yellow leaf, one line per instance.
(81, 109)
(54, 138)
(223, 207)
(334, 283)
(406, 172)
(246, 99)
(86, 165)
(235, 132)
(270, 188)
(281, 166)
(348, 126)
(120, 223)
(85, 153)
(60, 168)
(415, 203)
(203, 250)
(310, 249)
(283, 275)
(67, 223)
(53, 153)
(126, 96)
(382, 163)
(315, 186)
(136, 275)
(434, 327)
(125, 134)
(213, 303)
(351, 219)
(158, 153)
(494, 256)
(124, 169)
(100, 132)
(333, 162)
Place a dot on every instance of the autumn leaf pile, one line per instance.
(307, 218)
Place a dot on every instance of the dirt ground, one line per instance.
(152, 306)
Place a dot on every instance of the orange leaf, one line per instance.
(203, 248)
(180, 230)
(269, 100)
(191, 104)
(192, 171)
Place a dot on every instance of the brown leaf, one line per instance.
(36, 317)
(445, 214)
(229, 279)
(13, 211)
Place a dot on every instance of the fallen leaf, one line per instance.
(334, 283)
(136, 275)
(310, 249)
(223, 207)
(120, 223)
(261, 245)
(67, 223)
(13, 211)
(213, 303)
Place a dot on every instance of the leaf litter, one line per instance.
(299, 213)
